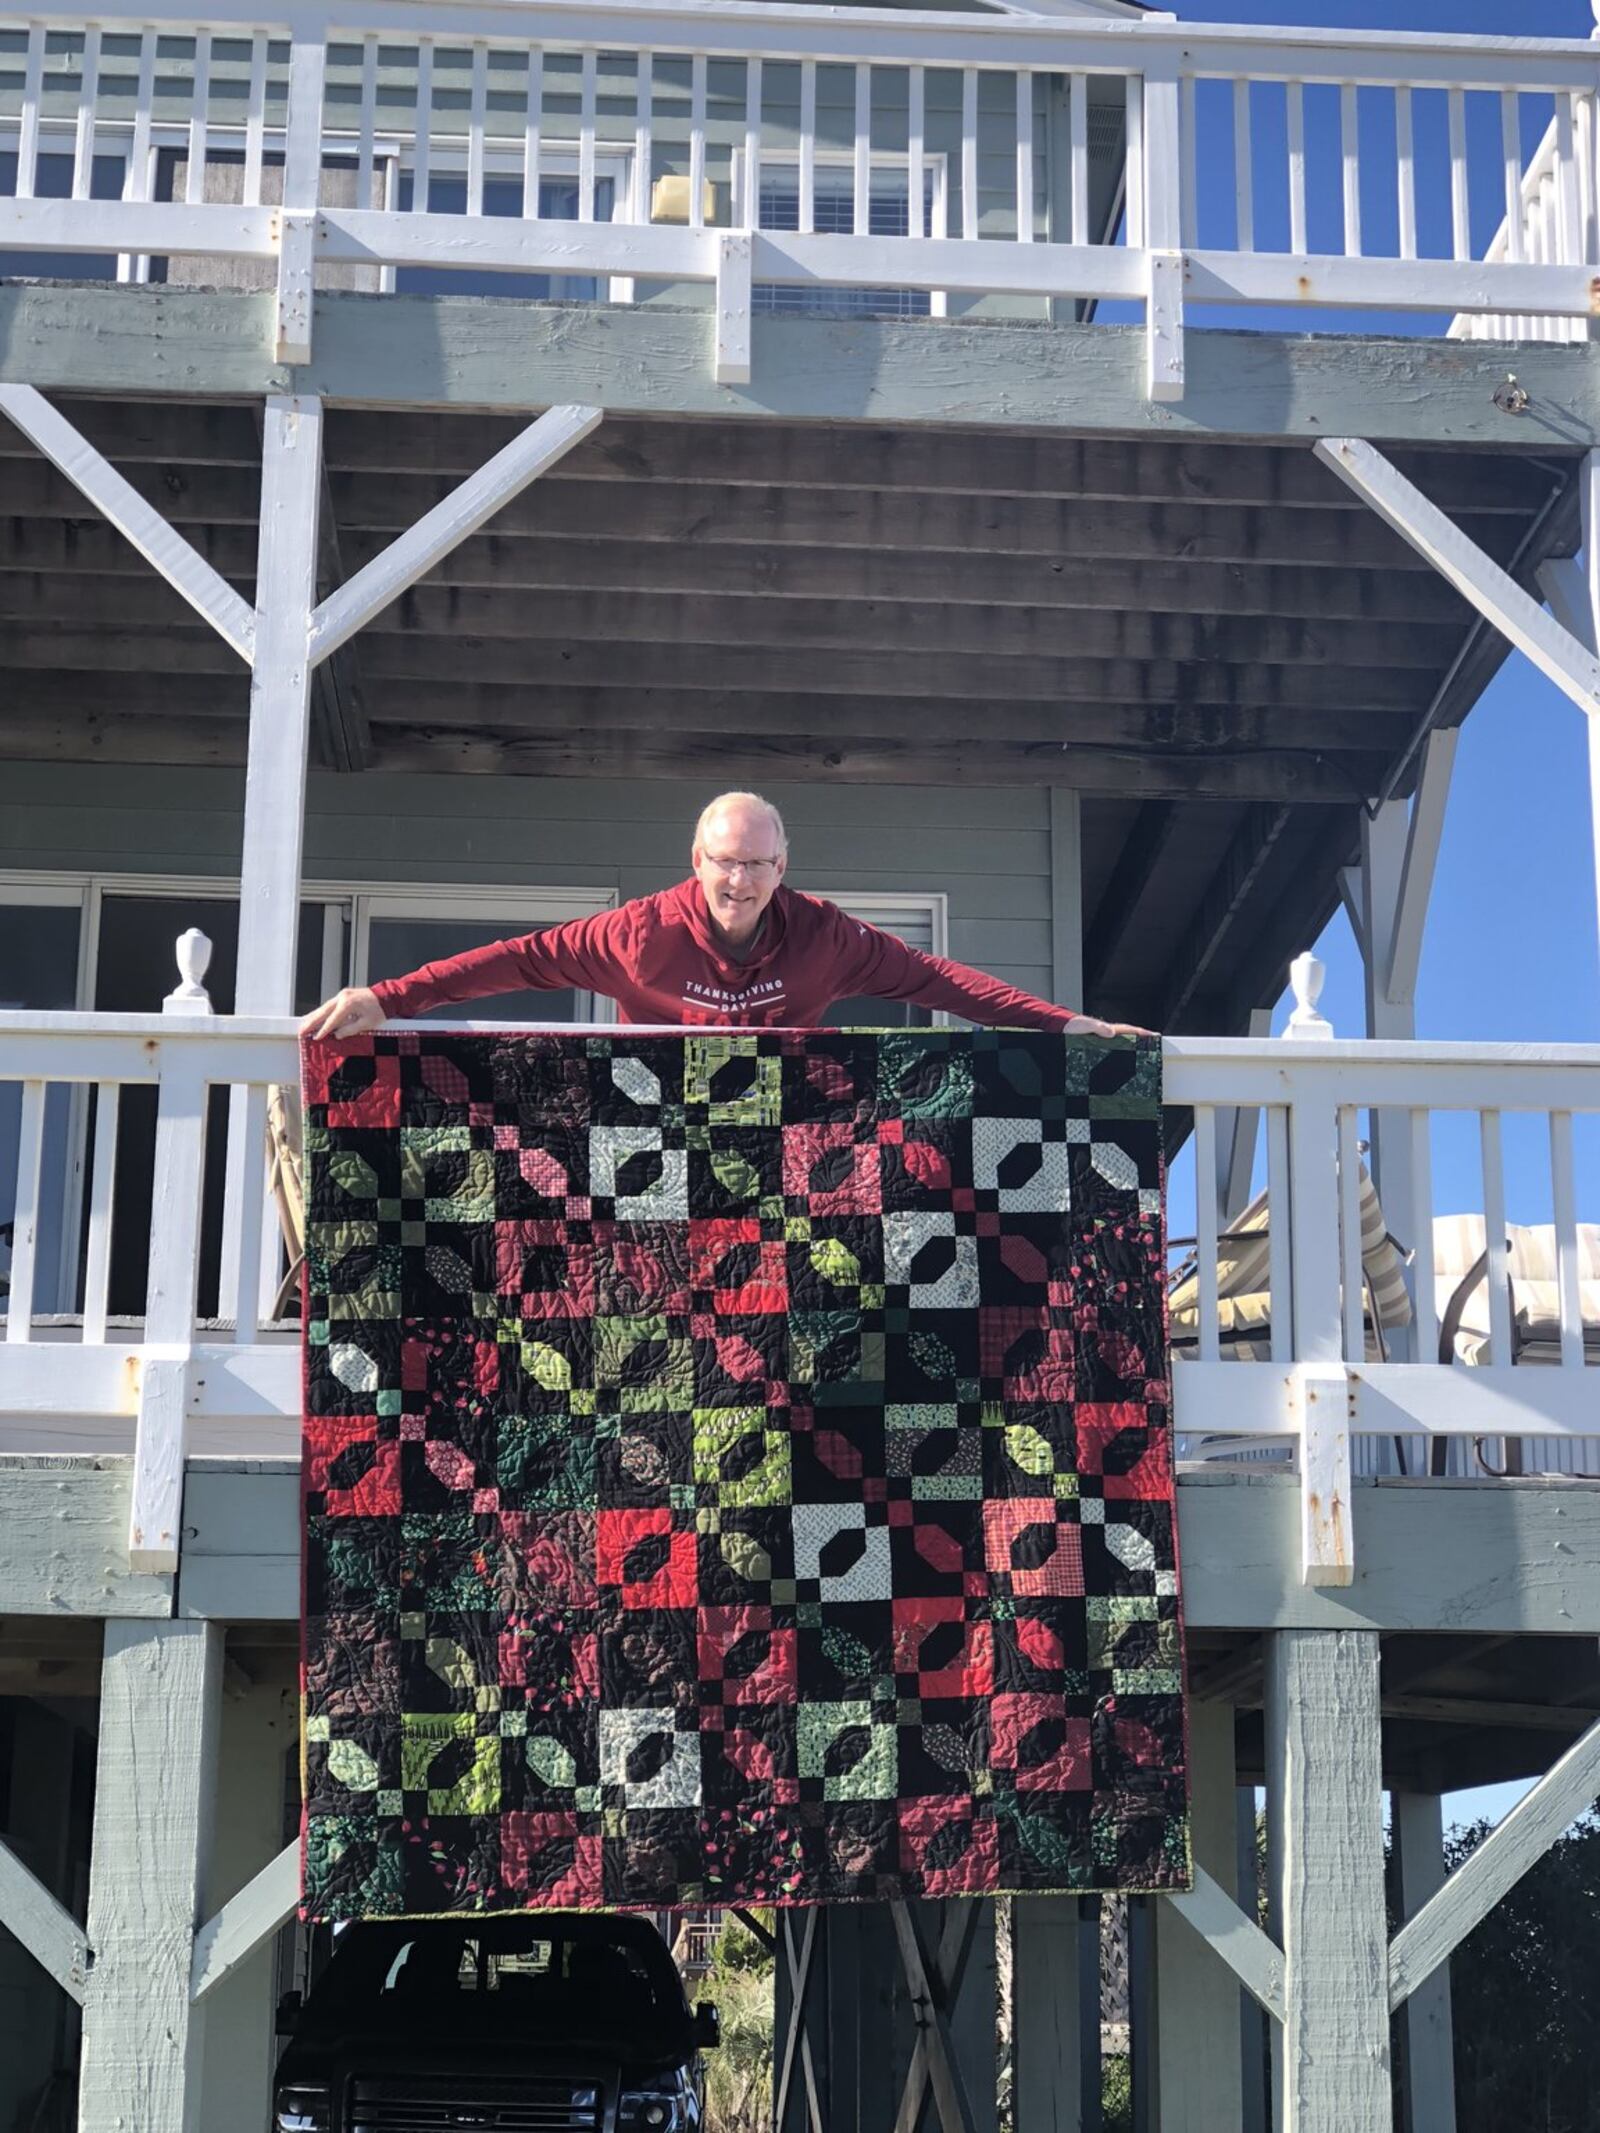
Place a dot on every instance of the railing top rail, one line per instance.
(747, 26)
(1178, 1052)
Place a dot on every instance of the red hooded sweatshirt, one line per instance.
(659, 958)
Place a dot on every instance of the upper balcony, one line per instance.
(1091, 161)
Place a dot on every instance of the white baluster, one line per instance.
(1306, 979)
(194, 959)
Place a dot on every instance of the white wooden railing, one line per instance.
(165, 1382)
(896, 161)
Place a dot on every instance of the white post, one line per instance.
(1424, 2019)
(1325, 1869)
(1383, 848)
(154, 1791)
(280, 706)
(158, 1452)
(274, 799)
(1198, 2083)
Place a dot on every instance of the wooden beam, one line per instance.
(1516, 1843)
(1468, 1558)
(1424, 832)
(153, 1807)
(338, 710)
(1231, 886)
(1489, 1711)
(722, 514)
(450, 521)
(1046, 2041)
(245, 1921)
(692, 754)
(1090, 768)
(963, 525)
(1325, 1863)
(72, 460)
(950, 2103)
(1427, 2057)
(627, 663)
(1465, 564)
(1254, 1960)
(1269, 592)
(585, 613)
(49, 1932)
(75, 694)
(768, 454)
(1138, 863)
(274, 799)
(486, 354)
(1199, 2071)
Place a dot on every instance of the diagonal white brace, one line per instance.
(1477, 577)
(49, 1932)
(1423, 835)
(449, 523)
(161, 545)
(245, 1921)
(1255, 1961)
(1519, 1841)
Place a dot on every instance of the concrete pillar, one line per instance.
(1197, 1997)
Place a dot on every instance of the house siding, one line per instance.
(987, 850)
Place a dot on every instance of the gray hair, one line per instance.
(753, 800)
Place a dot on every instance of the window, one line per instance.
(395, 932)
(834, 215)
(106, 943)
(558, 202)
(920, 921)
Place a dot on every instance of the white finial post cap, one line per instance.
(194, 960)
(1306, 976)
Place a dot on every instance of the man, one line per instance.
(730, 947)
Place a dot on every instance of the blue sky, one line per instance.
(1512, 949)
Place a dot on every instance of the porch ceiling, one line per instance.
(1214, 642)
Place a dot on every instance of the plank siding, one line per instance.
(986, 850)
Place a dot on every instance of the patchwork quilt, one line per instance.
(737, 1470)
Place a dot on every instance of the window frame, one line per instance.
(935, 164)
(355, 902)
(880, 907)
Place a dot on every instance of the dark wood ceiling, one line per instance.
(1216, 644)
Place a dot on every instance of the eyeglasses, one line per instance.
(758, 867)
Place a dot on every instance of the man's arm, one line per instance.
(585, 952)
(876, 963)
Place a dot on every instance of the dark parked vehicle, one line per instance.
(551, 2022)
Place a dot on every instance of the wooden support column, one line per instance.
(259, 1730)
(280, 706)
(154, 1791)
(1197, 1995)
(1046, 2015)
(1426, 2040)
(1325, 1867)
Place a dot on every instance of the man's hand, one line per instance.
(1092, 1026)
(348, 1014)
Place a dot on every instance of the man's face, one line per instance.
(738, 865)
